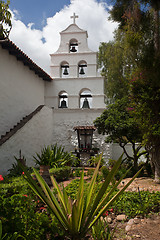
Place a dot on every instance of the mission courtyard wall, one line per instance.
(21, 91)
(34, 135)
(64, 121)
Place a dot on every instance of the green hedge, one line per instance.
(130, 203)
(61, 174)
(22, 212)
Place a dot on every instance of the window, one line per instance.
(85, 99)
(73, 46)
(82, 69)
(63, 100)
(64, 72)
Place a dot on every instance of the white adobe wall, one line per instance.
(64, 120)
(73, 32)
(21, 91)
(73, 59)
(30, 139)
(73, 87)
(116, 151)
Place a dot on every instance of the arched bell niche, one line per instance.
(73, 46)
(63, 99)
(64, 69)
(82, 69)
(85, 100)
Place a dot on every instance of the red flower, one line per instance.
(105, 213)
(1, 178)
(111, 210)
(25, 195)
(22, 173)
(42, 208)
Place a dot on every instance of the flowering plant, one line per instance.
(1, 178)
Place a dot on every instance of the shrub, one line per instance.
(138, 203)
(90, 172)
(72, 188)
(61, 174)
(101, 231)
(130, 203)
(77, 172)
(105, 171)
(94, 161)
(23, 213)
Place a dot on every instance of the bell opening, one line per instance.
(65, 71)
(85, 103)
(73, 49)
(63, 104)
(82, 71)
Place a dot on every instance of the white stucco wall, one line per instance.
(116, 151)
(73, 87)
(30, 139)
(73, 60)
(21, 91)
(73, 32)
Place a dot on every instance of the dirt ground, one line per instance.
(143, 183)
(141, 229)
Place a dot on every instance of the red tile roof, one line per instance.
(84, 127)
(21, 56)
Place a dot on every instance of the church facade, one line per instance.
(39, 110)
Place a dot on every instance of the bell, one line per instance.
(85, 103)
(65, 71)
(82, 71)
(63, 104)
(73, 49)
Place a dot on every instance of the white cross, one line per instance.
(74, 18)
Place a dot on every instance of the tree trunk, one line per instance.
(156, 161)
(156, 31)
(135, 163)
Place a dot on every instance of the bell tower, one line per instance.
(76, 82)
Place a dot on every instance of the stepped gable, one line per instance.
(19, 125)
(21, 56)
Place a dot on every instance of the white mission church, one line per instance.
(37, 110)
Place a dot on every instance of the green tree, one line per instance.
(112, 63)
(141, 29)
(121, 128)
(5, 19)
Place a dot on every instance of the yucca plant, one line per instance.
(45, 157)
(60, 157)
(53, 156)
(77, 217)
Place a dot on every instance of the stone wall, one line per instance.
(64, 120)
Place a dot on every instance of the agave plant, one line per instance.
(53, 156)
(77, 217)
(45, 157)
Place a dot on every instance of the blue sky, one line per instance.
(36, 25)
(37, 11)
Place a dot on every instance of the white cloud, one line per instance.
(38, 44)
